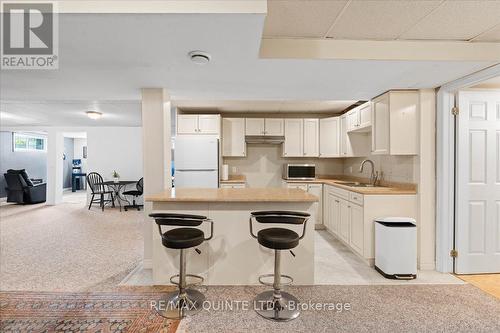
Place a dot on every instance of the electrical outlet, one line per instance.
(234, 170)
(350, 169)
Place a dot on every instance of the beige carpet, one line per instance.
(410, 308)
(67, 247)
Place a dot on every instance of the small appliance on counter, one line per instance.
(225, 172)
(299, 171)
(396, 247)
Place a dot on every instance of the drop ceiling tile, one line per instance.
(457, 20)
(492, 35)
(300, 18)
(380, 20)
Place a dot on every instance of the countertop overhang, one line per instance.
(233, 195)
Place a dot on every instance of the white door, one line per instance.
(274, 126)
(208, 124)
(254, 126)
(311, 137)
(233, 137)
(187, 124)
(293, 146)
(329, 145)
(477, 234)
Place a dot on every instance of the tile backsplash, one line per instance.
(263, 165)
(394, 168)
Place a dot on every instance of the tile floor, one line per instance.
(335, 264)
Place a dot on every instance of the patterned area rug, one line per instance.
(81, 312)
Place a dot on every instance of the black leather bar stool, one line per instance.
(276, 304)
(185, 301)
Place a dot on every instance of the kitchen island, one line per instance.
(232, 256)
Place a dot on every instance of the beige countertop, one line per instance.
(233, 195)
(235, 179)
(389, 188)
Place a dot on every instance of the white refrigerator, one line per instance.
(196, 160)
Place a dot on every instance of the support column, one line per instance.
(156, 141)
(55, 151)
(427, 180)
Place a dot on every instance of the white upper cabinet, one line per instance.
(345, 144)
(255, 126)
(395, 123)
(352, 120)
(187, 124)
(233, 137)
(311, 138)
(359, 119)
(264, 126)
(365, 115)
(301, 138)
(208, 124)
(329, 137)
(294, 138)
(274, 126)
(198, 124)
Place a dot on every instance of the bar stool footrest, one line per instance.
(288, 280)
(191, 280)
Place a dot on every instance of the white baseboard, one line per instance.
(428, 266)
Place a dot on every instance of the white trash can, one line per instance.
(396, 247)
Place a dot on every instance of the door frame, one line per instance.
(445, 161)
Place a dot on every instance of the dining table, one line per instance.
(117, 186)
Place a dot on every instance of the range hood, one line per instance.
(269, 139)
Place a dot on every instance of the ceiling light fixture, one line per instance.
(199, 57)
(94, 114)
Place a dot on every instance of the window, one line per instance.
(28, 142)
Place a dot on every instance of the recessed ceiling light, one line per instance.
(199, 57)
(94, 114)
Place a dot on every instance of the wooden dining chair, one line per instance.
(94, 180)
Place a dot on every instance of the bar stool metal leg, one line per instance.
(185, 301)
(276, 304)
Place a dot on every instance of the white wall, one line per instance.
(115, 148)
(79, 143)
(263, 165)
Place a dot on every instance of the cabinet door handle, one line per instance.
(337, 201)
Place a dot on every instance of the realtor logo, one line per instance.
(29, 35)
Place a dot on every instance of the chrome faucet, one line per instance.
(374, 174)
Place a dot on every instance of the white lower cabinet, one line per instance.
(345, 227)
(356, 218)
(350, 216)
(314, 189)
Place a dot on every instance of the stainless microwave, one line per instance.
(299, 171)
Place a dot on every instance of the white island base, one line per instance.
(232, 256)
